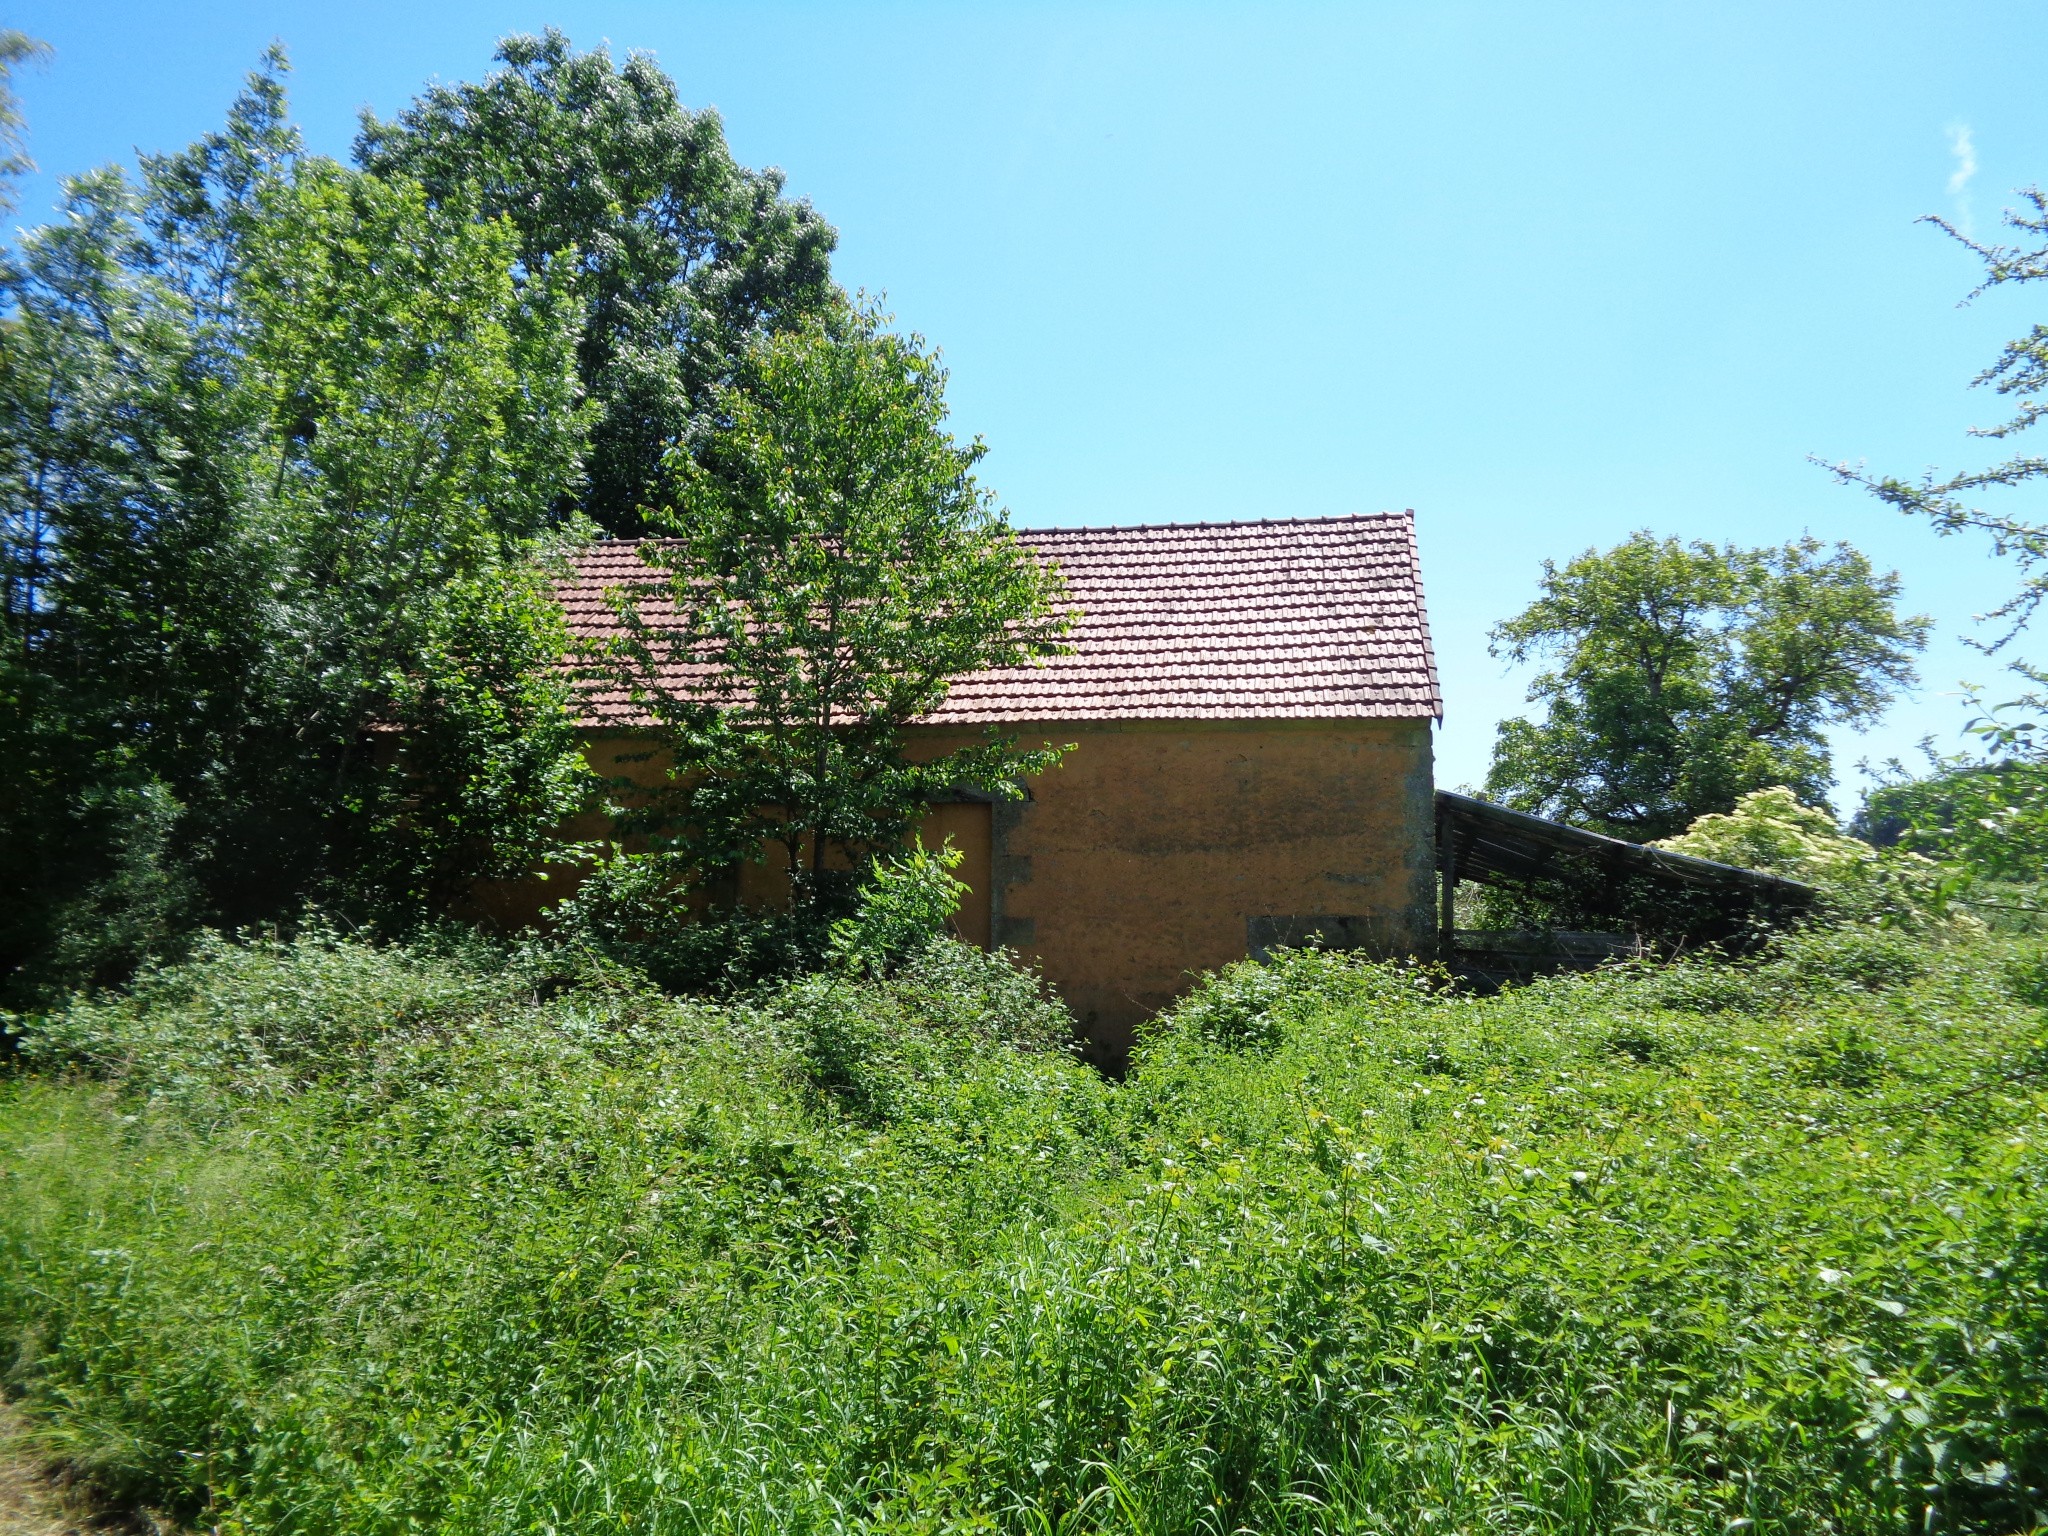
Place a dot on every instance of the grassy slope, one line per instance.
(342, 1240)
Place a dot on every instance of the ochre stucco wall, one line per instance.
(1156, 850)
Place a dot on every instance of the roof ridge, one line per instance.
(1224, 522)
(1385, 514)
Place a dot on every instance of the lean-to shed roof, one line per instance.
(1300, 618)
(1480, 841)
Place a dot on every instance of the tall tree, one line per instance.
(681, 256)
(1987, 811)
(2021, 372)
(831, 567)
(278, 441)
(16, 49)
(1687, 675)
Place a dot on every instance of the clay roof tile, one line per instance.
(1301, 618)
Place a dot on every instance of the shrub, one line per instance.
(1989, 815)
(1863, 957)
(138, 908)
(1248, 1006)
(1701, 983)
(261, 1017)
(854, 1041)
(878, 1045)
(555, 1252)
(902, 905)
(1770, 830)
(637, 910)
(985, 996)
(2026, 974)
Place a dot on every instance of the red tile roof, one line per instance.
(1298, 618)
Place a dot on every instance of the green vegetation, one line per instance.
(311, 1232)
(290, 455)
(1988, 815)
(1688, 675)
(280, 451)
(1983, 815)
(1770, 830)
(322, 1235)
(631, 910)
(826, 575)
(679, 256)
(1853, 881)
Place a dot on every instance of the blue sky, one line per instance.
(1546, 274)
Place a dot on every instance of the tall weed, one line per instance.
(1706, 1248)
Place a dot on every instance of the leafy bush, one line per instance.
(879, 1045)
(264, 1017)
(638, 910)
(1985, 818)
(1849, 955)
(1757, 1247)
(2026, 973)
(1988, 814)
(135, 903)
(902, 905)
(1770, 830)
(1248, 1006)
(984, 996)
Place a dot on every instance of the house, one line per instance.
(1250, 705)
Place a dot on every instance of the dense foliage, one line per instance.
(1688, 675)
(281, 446)
(1770, 830)
(829, 571)
(1983, 814)
(640, 911)
(678, 256)
(383, 1239)
(289, 452)
(1989, 815)
(319, 1233)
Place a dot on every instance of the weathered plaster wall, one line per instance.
(633, 762)
(510, 905)
(1156, 850)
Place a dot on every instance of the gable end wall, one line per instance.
(1160, 849)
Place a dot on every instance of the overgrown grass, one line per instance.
(318, 1237)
